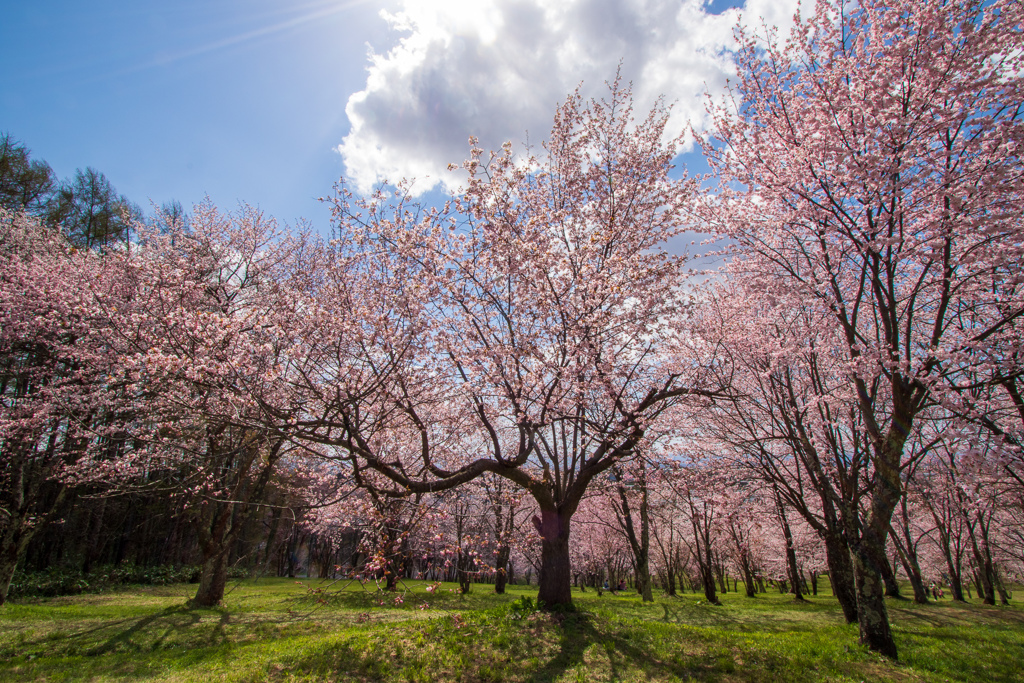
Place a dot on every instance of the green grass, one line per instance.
(287, 630)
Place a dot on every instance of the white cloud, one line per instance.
(497, 69)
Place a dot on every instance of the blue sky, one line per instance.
(269, 102)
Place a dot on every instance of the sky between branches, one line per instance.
(269, 102)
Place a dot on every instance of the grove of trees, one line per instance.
(524, 384)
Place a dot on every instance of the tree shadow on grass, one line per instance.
(627, 652)
(172, 627)
(721, 616)
(106, 636)
(168, 621)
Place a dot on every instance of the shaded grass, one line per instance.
(287, 630)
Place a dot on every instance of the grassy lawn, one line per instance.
(287, 630)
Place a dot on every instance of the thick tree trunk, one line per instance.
(748, 577)
(794, 572)
(463, 566)
(870, 564)
(868, 546)
(555, 569)
(841, 574)
(708, 579)
(707, 575)
(873, 617)
(892, 586)
(501, 569)
(212, 580)
(643, 580)
(19, 530)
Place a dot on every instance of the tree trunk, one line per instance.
(913, 571)
(748, 577)
(873, 617)
(643, 581)
(868, 545)
(794, 572)
(708, 575)
(501, 569)
(643, 567)
(983, 579)
(212, 580)
(19, 531)
(956, 585)
(1004, 596)
(892, 586)
(555, 579)
(8, 564)
(908, 554)
(463, 565)
(841, 575)
(641, 546)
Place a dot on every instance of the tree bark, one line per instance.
(841, 574)
(873, 616)
(707, 574)
(555, 581)
(501, 569)
(212, 580)
(670, 580)
(908, 558)
(748, 577)
(892, 586)
(983, 575)
(1004, 596)
(869, 565)
(794, 573)
(956, 584)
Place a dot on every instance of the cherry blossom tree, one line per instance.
(792, 423)
(531, 329)
(59, 406)
(630, 501)
(600, 552)
(668, 528)
(872, 163)
(201, 333)
(699, 486)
